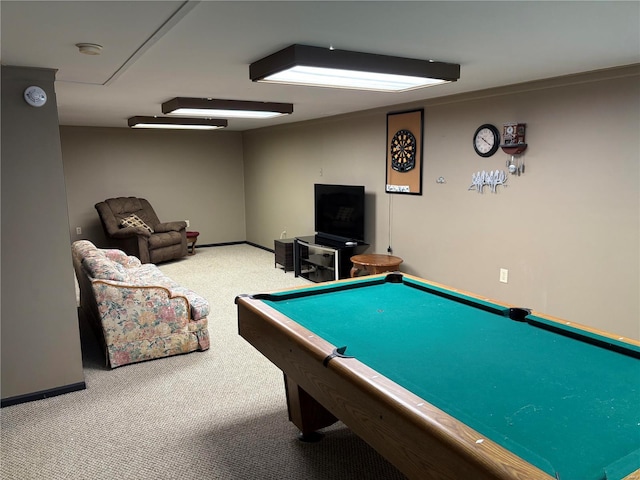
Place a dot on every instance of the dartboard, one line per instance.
(403, 151)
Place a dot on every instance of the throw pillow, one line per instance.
(134, 221)
(99, 267)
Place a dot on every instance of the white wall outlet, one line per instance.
(78, 230)
(504, 275)
(188, 223)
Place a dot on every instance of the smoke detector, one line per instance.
(89, 48)
(35, 96)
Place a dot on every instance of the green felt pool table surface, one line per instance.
(565, 400)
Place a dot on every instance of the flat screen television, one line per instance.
(339, 212)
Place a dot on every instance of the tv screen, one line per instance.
(339, 211)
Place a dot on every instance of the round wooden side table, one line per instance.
(374, 263)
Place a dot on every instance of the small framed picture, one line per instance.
(404, 152)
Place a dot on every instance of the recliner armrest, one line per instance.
(170, 226)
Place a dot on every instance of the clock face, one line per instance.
(403, 151)
(486, 140)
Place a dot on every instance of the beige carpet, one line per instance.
(219, 414)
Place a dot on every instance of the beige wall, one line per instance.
(195, 176)
(40, 335)
(282, 164)
(567, 230)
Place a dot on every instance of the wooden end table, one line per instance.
(374, 263)
(283, 249)
(192, 238)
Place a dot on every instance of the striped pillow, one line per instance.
(134, 221)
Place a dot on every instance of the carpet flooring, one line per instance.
(219, 414)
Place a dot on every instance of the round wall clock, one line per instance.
(403, 151)
(486, 140)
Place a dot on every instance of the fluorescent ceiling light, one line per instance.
(208, 107)
(332, 77)
(200, 112)
(316, 66)
(177, 123)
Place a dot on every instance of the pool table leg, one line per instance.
(305, 412)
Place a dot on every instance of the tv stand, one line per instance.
(322, 259)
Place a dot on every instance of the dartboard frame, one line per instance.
(404, 152)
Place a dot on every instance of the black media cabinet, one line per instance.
(321, 259)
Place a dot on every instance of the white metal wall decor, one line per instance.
(489, 179)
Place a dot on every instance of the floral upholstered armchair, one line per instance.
(131, 225)
(138, 312)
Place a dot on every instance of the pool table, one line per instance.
(446, 384)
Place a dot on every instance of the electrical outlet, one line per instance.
(78, 230)
(504, 275)
(188, 223)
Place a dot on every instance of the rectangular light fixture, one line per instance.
(209, 107)
(177, 123)
(324, 67)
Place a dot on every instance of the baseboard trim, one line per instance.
(207, 245)
(260, 247)
(41, 395)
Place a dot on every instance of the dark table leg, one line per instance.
(306, 413)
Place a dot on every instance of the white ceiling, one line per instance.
(157, 50)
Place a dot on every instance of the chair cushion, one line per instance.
(134, 221)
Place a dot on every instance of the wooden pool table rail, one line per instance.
(422, 441)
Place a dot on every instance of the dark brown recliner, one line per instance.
(168, 241)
